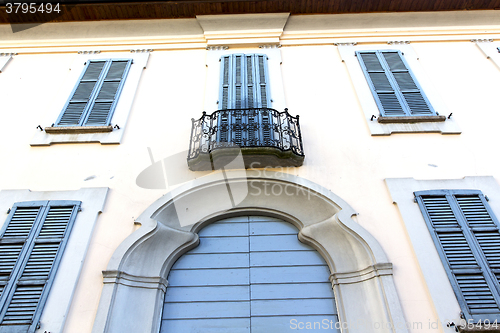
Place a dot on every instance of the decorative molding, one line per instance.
(7, 54)
(217, 48)
(270, 46)
(134, 281)
(141, 51)
(368, 273)
(482, 40)
(398, 42)
(89, 52)
(346, 44)
(243, 30)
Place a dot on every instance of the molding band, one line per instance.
(368, 273)
(134, 281)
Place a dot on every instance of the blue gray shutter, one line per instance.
(101, 111)
(467, 237)
(394, 87)
(41, 230)
(74, 112)
(248, 274)
(94, 98)
(244, 85)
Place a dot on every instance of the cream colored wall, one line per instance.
(341, 155)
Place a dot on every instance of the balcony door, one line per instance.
(245, 97)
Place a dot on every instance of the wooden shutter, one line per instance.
(393, 86)
(41, 230)
(95, 96)
(244, 85)
(74, 112)
(247, 274)
(101, 111)
(466, 235)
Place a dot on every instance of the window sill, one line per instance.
(78, 129)
(410, 119)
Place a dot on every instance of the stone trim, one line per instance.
(368, 273)
(125, 279)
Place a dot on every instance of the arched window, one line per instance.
(249, 274)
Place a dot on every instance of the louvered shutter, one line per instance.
(74, 112)
(244, 85)
(466, 235)
(42, 230)
(105, 101)
(393, 86)
(96, 94)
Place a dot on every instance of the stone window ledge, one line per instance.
(410, 119)
(78, 129)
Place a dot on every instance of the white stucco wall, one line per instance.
(341, 153)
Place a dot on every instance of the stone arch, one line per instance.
(361, 276)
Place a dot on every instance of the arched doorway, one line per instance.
(135, 281)
(249, 274)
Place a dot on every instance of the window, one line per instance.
(95, 96)
(467, 237)
(393, 86)
(32, 242)
(394, 92)
(94, 100)
(244, 119)
(4, 60)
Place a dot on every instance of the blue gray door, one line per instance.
(249, 274)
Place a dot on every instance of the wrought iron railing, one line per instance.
(256, 127)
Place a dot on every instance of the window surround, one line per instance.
(359, 267)
(490, 49)
(389, 125)
(4, 60)
(60, 296)
(275, 86)
(103, 134)
(439, 288)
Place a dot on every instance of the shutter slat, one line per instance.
(23, 305)
(21, 222)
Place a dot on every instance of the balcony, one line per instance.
(265, 137)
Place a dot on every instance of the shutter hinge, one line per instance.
(38, 325)
(8, 211)
(486, 197)
(80, 209)
(415, 199)
(85, 63)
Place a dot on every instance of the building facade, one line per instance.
(355, 186)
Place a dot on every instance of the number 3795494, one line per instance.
(24, 8)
